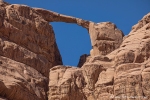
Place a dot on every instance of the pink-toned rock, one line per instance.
(51, 16)
(134, 48)
(21, 82)
(118, 67)
(145, 20)
(105, 38)
(27, 51)
(66, 83)
(24, 27)
(120, 74)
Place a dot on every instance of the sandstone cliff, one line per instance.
(117, 68)
(31, 66)
(27, 51)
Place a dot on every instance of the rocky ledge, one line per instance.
(31, 68)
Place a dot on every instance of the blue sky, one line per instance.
(74, 40)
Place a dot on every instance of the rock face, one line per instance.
(118, 70)
(105, 38)
(66, 83)
(27, 51)
(82, 60)
(56, 17)
(118, 67)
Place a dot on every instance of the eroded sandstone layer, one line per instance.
(118, 67)
(27, 51)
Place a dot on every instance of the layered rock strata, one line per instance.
(31, 66)
(120, 73)
(27, 51)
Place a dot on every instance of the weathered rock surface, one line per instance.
(66, 83)
(21, 82)
(118, 67)
(51, 16)
(105, 38)
(83, 59)
(27, 51)
(116, 72)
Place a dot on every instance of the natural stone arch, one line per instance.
(105, 37)
(51, 16)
